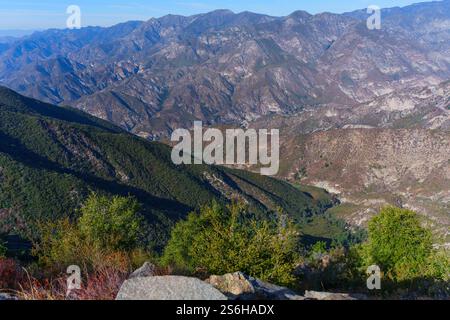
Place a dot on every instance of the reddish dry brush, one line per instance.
(101, 278)
(11, 274)
(42, 289)
(101, 284)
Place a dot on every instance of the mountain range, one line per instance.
(363, 113)
(154, 76)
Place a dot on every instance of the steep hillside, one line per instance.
(370, 168)
(52, 157)
(418, 107)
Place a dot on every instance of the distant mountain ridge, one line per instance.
(152, 77)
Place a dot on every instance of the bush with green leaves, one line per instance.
(398, 243)
(402, 248)
(225, 239)
(107, 232)
(319, 248)
(111, 222)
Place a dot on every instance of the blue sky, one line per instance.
(43, 14)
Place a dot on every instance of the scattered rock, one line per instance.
(147, 270)
(232, 284)
(144, 285)
(5, 297)
(168, 288)
(273, 292)
(238, 286)
(315, 295)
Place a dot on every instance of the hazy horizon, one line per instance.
(49, 15)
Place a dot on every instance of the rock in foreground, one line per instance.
(315, 295)
(238, 286)
(168, 288)
(5, 296)
(147, 270)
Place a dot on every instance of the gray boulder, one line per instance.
(168, 288)
(315, 295)
(147, 270)
(238, 286)
(265, 290)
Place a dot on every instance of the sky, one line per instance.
(45, 14)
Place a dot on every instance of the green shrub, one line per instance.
(106, 234)
(60, 245)
(319, 248)
(403, 249)
(227, 239)
(398, 244)
(111, 223)
(439, 265)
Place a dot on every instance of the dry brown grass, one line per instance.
(101, 284)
